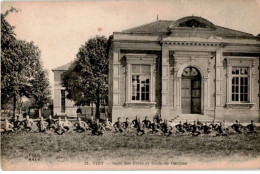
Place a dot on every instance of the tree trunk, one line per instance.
(92, 109)
(97, 104)
(14, 105)
(97, 110)
(40, 112)
(21, 104)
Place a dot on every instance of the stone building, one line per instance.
(64, 106)
(187, 66)
(61, 105)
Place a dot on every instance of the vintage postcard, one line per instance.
(130, 85)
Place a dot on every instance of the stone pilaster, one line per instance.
(116, 78)
(165, 78)
(219, 78)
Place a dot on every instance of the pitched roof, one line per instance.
(230, 32)
(161, 26)
(63, 67)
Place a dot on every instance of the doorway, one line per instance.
(191, 91)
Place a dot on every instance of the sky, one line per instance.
(60, 28)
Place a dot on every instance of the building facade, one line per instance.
(187, 66)
(61, 105)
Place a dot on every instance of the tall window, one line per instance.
(240, 86)
(141, 75)
(63, 101)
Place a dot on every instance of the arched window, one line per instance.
(191, 72)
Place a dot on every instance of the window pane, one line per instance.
(145, 79)
(63, 104)
(235, 70)
(242, 81)
(246, 80)
(135, 68)
(236, 80)
(135, 84)
(245, 97)
(143, 96)
(138, 96)
(246, 71)
(236, 97)
(246, 89)
(147, 88)
(146, 69)
(143, 88)
(241, 97)
(240, 84)
(236, 89)
(243, 71)
(141, 82)
(147, 96)
(241, 89)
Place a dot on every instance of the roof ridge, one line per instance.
(161, 26)
(62, 67)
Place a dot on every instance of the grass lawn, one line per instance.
(115, 149)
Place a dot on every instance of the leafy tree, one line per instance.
(40, 90)
(8, 41)
(86, 80)
(20, 64)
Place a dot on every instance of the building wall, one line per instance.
(233, 112)
(70, 109)
(175, 55)
(178, 56)
(120, 79)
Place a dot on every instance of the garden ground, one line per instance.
(31, 150)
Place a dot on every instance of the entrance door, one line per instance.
(191, 91)
(195, 96)
(186, 96)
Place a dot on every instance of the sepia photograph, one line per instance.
(130, 85)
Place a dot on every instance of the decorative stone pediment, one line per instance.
(241, 61)
(139, 59)
(214, 38)
(192, 22)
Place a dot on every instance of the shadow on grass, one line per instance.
(72, 146)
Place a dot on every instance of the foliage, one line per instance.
(21, 71)
(86, 80)
(8, 43)
(40, 90)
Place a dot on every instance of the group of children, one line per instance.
(195, 129)
(140, 126)
(58, 126)
(220, 129)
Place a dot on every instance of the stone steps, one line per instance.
(191, 118)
